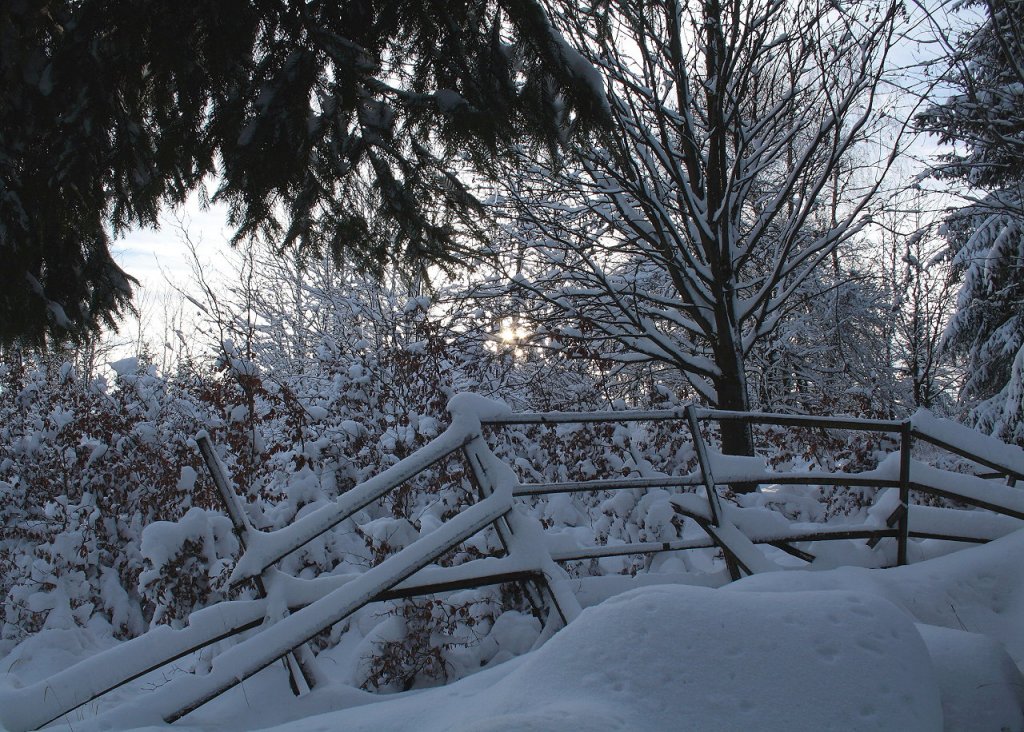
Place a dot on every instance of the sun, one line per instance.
(511, 332)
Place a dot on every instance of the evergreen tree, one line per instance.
(984, 121)
(332, 124)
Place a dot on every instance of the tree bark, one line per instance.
(737, 437)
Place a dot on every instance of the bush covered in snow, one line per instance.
(84, 467)
(108, 511)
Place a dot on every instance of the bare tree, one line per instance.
(681, 235)
(913, 261)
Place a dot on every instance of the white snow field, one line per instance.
(931, 646)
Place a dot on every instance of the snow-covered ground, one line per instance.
(931, 646)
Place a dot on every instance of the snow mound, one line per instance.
(980, 590)
(931, 646)
(691, 658)
(981, 687)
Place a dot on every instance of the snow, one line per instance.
(931, 646)
(162, 540)
(967, 488)
(256, 653)
(953, 522)
(470, 406)
(266, 548)
(980, 685)
(752, 558)
(977, 590)
(759, 521)
(449, 101)
(727, 533)
(736, 464)
(316, 412)
(968, 440)
(125, 366)
(55, 683)
(643, 661)
(186, 478)
(580, 68)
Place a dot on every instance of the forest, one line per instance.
(797, 207)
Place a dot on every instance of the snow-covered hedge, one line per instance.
(109, 515)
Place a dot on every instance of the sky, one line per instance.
(160, 260)
(153, 256)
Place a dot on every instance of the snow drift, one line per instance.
(932, 646)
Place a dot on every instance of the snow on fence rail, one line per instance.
(318, 603)
(899, 471)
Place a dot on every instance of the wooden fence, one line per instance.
(315, 605)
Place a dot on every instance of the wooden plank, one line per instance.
(654, 547)
(793, 551)
(608, 484)
(626, 415)
(980, 503)
(622, 550)
(963, 538)
(691, 479)
(707, 477)
(679, 413)
(735, 543)
(419, 589)
(534, 590)
(813, 478)
(714, 502)
(800, 420)
(890, 521)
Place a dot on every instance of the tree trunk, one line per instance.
(719, 249)
(737, 437)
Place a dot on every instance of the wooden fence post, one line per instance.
(714, 501)
(501, 527)
(474, 451)
(300, 663)
(906, 439)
